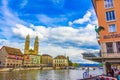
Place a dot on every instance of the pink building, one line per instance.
(10, 57)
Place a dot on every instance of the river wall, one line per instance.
(33, 68)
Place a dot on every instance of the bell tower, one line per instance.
(27, 44)
(36, 45)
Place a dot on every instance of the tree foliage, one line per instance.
(100, 65)
(70, 63)
(75, 65)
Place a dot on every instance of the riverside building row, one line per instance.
(14, 58)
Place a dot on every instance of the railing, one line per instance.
(110, 55)
(99, 77)
(99, 59)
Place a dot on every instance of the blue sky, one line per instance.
(63, 26)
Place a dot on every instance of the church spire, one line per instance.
(27, 44)
(36, 45)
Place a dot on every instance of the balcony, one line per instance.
(111, 55)
(93, 56)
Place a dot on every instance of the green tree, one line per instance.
(70, 63)
(100, 65)
(75, 64)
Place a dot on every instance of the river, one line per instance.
(47, 74)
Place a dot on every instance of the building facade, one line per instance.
(60, 61)
(31, 56)
(47, 60)
(108, 13)
(32, 60)
(10, 57)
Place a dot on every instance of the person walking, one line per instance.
(110, 72)
(118, 77)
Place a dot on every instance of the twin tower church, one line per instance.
(27, 49)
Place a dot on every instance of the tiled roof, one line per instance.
(46, 55)
(13, 51)
(60, 57)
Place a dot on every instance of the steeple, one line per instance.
(27, 44)
(36, 45)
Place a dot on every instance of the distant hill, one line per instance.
(88, 65)
(84, 61)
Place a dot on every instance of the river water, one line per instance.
(47, 74)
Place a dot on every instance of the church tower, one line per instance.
(27, 44)
(36, 45)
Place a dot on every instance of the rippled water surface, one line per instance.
(46, 74)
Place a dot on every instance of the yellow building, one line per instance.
(10, 57)
(60, 61)
(27, 46)
(47, 60)
(31, 57)
(108, 13)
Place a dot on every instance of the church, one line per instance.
(31, 56)
(27, 49)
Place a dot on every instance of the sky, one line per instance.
(64, 27)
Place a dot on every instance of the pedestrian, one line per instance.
(110, 72)
(118, 76)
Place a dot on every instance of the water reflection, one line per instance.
(44, 75)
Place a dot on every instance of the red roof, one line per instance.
(12, 51)
(60, 57)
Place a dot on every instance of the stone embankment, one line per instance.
(33, 68)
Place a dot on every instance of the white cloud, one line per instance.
(60, 34)
(22, 31)
(4, 42)
(11, 18)
(58, 50)
(51, 21)
(89, 17)
(85, 18)
(78, 58)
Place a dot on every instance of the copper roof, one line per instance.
(60, 57)
(46, 55)
(12, 51)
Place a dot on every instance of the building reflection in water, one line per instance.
(45, 74)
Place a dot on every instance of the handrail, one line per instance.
(99, 77)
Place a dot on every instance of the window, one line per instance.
(110, 16)
(118, 46)
(109, 47)
(112, 28)
(108, 3)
